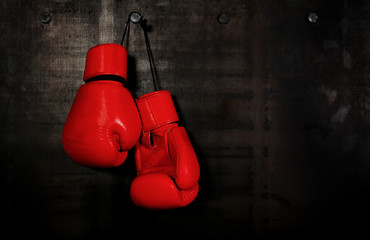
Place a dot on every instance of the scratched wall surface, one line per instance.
(277, 108)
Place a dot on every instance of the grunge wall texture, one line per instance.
(277, 108)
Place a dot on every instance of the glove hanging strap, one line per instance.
(156, 109)
(150, 55)
(127, 29)
(135, 17)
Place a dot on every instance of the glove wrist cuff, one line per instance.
(108, 59)
(156, 109)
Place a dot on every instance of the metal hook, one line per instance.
(135, 17)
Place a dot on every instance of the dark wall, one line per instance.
(277, 108)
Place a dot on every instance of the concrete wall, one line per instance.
(277, 108)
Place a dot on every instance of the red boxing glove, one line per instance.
(167, 166)
(103, 122)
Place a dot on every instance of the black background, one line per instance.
(277, 108)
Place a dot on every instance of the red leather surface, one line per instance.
(156, 109)
(167, 166)
(106, 59)
(102, 125)
(158, 191)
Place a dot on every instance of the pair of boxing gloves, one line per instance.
(105, 122)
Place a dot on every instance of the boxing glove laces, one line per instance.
(103, 123)
(166, 163)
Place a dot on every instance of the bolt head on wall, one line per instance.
(45, 18)
(312, 17)
(223, 18)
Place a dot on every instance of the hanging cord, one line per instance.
(150, 55)
(127, 29)
(135, 18)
